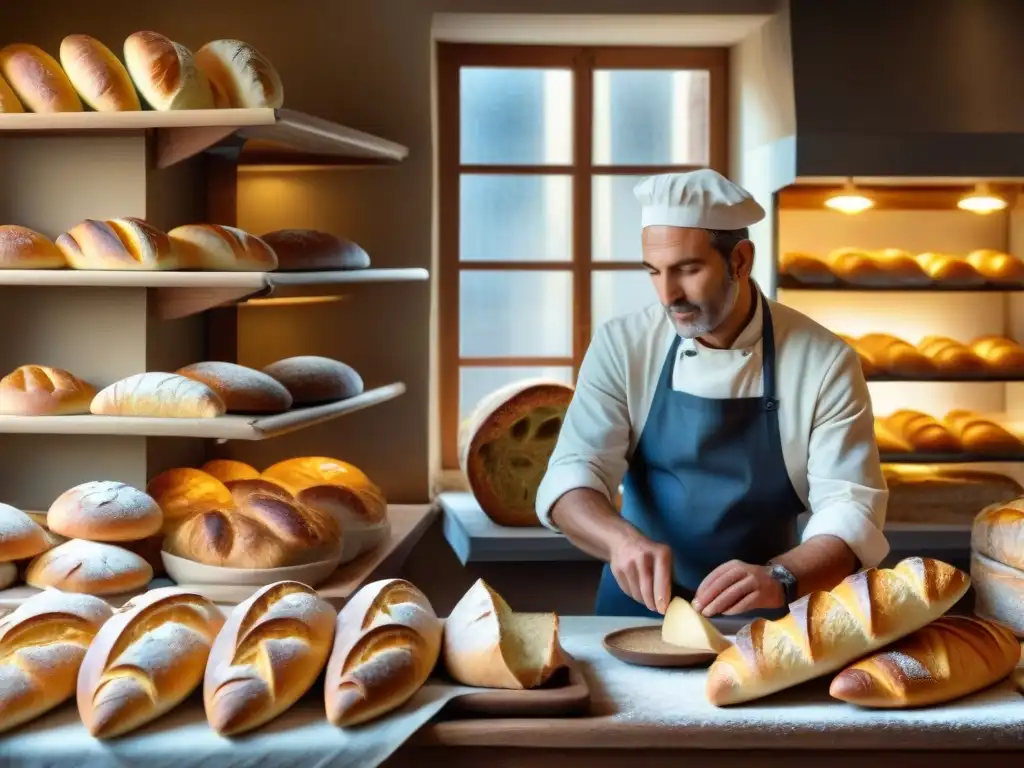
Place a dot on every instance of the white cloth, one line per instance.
(703, 199)
(825, 418)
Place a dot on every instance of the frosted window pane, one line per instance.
(651, 117)
(515, 116)
(619, 292)
(476, 383)
(515, 314)
(615, 221)
(515, 218)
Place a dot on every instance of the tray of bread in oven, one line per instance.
(885, 357)
(911, 436)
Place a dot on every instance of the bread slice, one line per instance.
(487, 645)
(686, 627)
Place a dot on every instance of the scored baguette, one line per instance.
(825, 631)
(159, 395)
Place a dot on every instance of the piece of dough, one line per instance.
(688, 628)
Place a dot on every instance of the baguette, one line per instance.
(145, 660)
(387, 643)
(1001, 355)
(901, 268)
(923, 432)
(946, 269)
(825, 631)
(158, 395)
(805, 268)
(269, 653)
(979, 435)
(952, 657)
(951, 356)
(926, 495)
(896, 356)
(996, 266)
(42, 644)
(856, 266)
(120, 244)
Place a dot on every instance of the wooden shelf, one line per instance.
(222, 428)
(180, 294)
(789, 284)
(962, 378)
(951, 458)
(268, 136)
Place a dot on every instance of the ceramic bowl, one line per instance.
(184, 571)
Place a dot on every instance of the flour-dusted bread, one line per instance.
(121, 244)
(221, 248)
(998, 592)
(240, 76)
(20, 536)
(825, 631)
(104, 510)
(24, 248)
(39, 390)
(336, 487)
(89, 567)
(226, 470)
(505, 445)
(145, 660)
(301, 250)
(998, 533)
(686, 627)
(37, 79)
(269, 653)
(166, 73)
(312, 379)
(949, 658)
(158, 395)
(243, 390)
(487, 645)
(387, 643)
(42, 644)
(98, 75)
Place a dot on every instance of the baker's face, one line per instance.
(694, 283)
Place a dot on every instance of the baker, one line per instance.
(725, 416)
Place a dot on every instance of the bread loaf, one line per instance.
(165, 73)
(805, 268)
(98, 75)
(24, 248)
(37, 79)
(243, 390)
(1000, 355)
(221, 248)
(146, 660)
(487, 645)
(259, 525)
(946, 496)
(857, 267)
(949, 270)
(38, 390)
(997, 267)
(869, 365)
(334, 487)
(240, 76)
(998, 533)
(269, 653)
(505, 445)
(42, 643)
(686, 627)
(9, 103)
(104, 510)
(122, 244)
(308, 249)
(158, 395)
(311, 379)
(889, 441)
(825, 631)
(950, 356)
(998, 592)
(980, 435)
(923, 432)
(387, 643)
(900, 267)
(228, 469)
(896, 356)
(949, 658)
(20, 536)
(90, 567)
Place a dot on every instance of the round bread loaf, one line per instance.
(165, 73)
(243, 390)
(240, 76)
(9, 103)
(226, 470)
(311, 379)
(38, 390)
(335, 487)
(98, 75)
(20, 536)
(24, 248)
(37, 79)
(183, 491)
(309, 249)
(221, 248)
(89, 567)
(104, 510)
(505, 446)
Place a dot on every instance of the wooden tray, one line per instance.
(566, 693)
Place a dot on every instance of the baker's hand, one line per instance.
(738, 587)
(643, 569)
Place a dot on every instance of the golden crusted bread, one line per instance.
(312, 379)
(24, 248)
(950, 356)
(922, 432)
(505, 445)
(98, 75)
(890, 441)
(998, 533)
(309, 249)
(334, 487)
(387, 643)
(42, 644)
(104, 510)
(221, 248)
(924, 494)
(948, 269)
(165, 73)
(895, 356)
(37, 79)
(9, 103)
(21, 537)
(158, 395)
(122, 244)
(998, 592)
(240, 76)
(243, 390)
(39, 390)
(269, 653)
(949, 658)
(146, 660)
(1001, 355)
(805, 268)
(825, 631)
(229, 469)
(89, 567)
(487, 645)
(980, 435)
(869, 365)
(997, 266)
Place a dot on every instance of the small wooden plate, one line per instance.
(644, 647)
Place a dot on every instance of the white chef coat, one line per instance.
(825, 418)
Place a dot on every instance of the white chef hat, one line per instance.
(702, 199)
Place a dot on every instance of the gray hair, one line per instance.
(725, 240)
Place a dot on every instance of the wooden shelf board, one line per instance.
(989, 378)
(789, 284)
(221, 428)
(951, 458)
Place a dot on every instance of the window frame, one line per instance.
(582, 61)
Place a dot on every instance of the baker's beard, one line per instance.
(711, 313)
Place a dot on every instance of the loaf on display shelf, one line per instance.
(505, 445)
(896, 356)
(98, 76)
(9, 103)
(997, 564)
(37, 79)
(242, 389)
(920, 494)
(120, 244)
(158, 395)
(240, 76)
(221, 248)
(313, 380)
(310, 250)
(24, 248)
(166, 73)
(937, 356)
(960, 431)
(39, 390)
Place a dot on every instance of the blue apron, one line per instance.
(709, 480)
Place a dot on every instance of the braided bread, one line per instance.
(42, 644)
(145, 660)
(269, 653)
(387, 643)
(825, 631)
(949, 658)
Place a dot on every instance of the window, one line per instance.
(539, 150)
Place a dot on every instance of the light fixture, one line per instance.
(849, 200)
(981, 200)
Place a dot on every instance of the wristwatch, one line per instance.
(785, 577)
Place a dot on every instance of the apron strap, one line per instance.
(768, 356)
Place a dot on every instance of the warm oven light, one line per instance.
(849, 200)
(981, 201)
